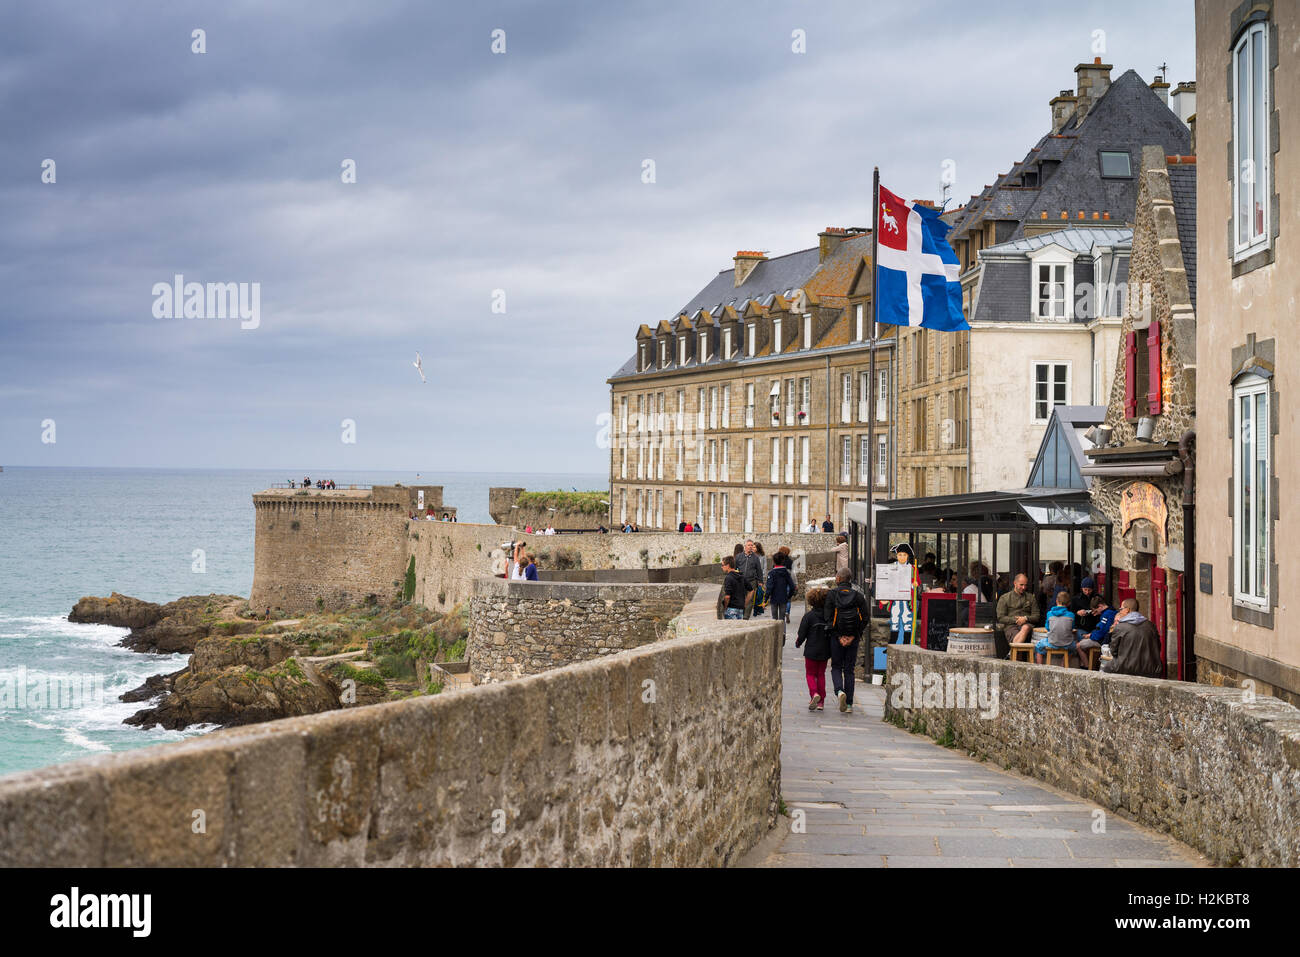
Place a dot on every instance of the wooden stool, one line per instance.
(1093, 655)
(1027, 647)
(1063, 652)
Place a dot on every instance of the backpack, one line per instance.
(846, 615)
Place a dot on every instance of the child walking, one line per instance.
(816, 646)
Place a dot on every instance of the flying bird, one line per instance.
(419, 367)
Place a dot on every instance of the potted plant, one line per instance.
(802, 415)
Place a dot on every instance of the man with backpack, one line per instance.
(845, 612)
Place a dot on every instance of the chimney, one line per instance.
(1161, 89)
(1093, 80)
(828, 240)
(1062, 106)
(1183, 101)
(746, 260)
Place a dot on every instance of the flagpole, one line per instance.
(871, 383)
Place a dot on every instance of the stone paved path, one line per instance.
(873, 795)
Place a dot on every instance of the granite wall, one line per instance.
(1206, 765)
(611, 762)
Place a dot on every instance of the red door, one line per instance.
(1122, 588)
(1157, 605)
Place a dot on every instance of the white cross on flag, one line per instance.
(916, 268)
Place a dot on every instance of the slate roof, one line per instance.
(828, 281)
(1182, 182)
(1077, 239)
(1128, 116)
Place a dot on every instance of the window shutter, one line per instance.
(1154, 388)
(1130, 375)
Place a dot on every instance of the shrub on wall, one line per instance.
(408, 587)
(584, 503)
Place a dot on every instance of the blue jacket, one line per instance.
(1056, 611)
(1100, 633)
(780, 585)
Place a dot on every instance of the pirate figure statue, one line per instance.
(900, 612)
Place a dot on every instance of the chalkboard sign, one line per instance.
(941, 611)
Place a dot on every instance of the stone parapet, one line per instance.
(1205, 765)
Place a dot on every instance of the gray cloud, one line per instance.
(475, 172)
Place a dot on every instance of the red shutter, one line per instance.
(1130, 375)
(1154, 385)
(1159, 595)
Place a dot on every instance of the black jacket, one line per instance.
(842, 598)
(780, 585)
(812, 636)
(733, 587)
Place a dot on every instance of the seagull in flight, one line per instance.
(419, 367)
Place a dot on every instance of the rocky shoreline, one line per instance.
(244, 669)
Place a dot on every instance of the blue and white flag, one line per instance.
(916, 269)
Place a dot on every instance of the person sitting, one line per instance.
(1104, 615)
(699, 527)
(1060, 629)
(1134, 644)
(550, 529)
(446, 517)
(731, 603)
(1017, 614)
(1081, 605)
(682, 526)
(528, 529)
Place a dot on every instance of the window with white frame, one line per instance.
(776, 334)
(640, 461)
(864, 460)
(846, 460)
(776, 461)
(805, 400)
(681, 409)
(713, 407)
(622, 506)
(699, 460)
(659, 509)
(1052, 280)
(650, 467)
(859, 323)
(1051, 388)
(749, 460)
(713, 460)
(640, 413)
(807, 332)
(1252, 531)
(679, 519)
(699, 508)
(726, 514)
(663, 353)
(1252, 173)
(726, 343)
(789, 514)
(789, 461)
(1050, 297)
(751, 344)
(749, 405)
(749, 512)
(726, 406)
(622, 472)
(700, 411)
(864, 396)
(622, 415)
(659, 467)
(681, 351)
(704, 346)
(713, 510)
(803, 459)
(882, 459)
(846, 397)
(681, 457)
(774, 518)
(882, 395)
(774, 400)
(789, 402)
(726, 448)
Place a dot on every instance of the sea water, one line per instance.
(156, 534)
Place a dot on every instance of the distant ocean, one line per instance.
(69, 532)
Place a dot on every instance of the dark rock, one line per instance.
(153, 686)
(120, 611)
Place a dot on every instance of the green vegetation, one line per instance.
(949, 737)
(362, 676)
(583, 503)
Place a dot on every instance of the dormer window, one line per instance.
(1116, 164)
(681, 351)
(859, 323)
(776, 335)
(807, 332)
(1052, 284)
(751, 332)
(641, 360)
(663, 353)
(704, 347)
(726, 343)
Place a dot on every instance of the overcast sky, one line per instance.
(475, 171)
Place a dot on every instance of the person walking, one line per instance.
(841, 550)
(731, 602)
(780, 590)
(751, 570)
(816, 648)
(846, 612)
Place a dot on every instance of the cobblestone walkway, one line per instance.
(873, 795)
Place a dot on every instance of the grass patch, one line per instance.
(584, 503)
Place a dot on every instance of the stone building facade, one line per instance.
(752, 409)
(1248, 125)
(1137, 474)
(1038, 249)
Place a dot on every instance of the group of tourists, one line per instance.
(1078, 623)
(307, 483)
(523, 564)
(550, 530)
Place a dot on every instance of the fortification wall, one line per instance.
(524, 628)
(500, 500)
(450, 557)
(1217, 772)
(667, 549)
(336, 548)
(581, 766)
